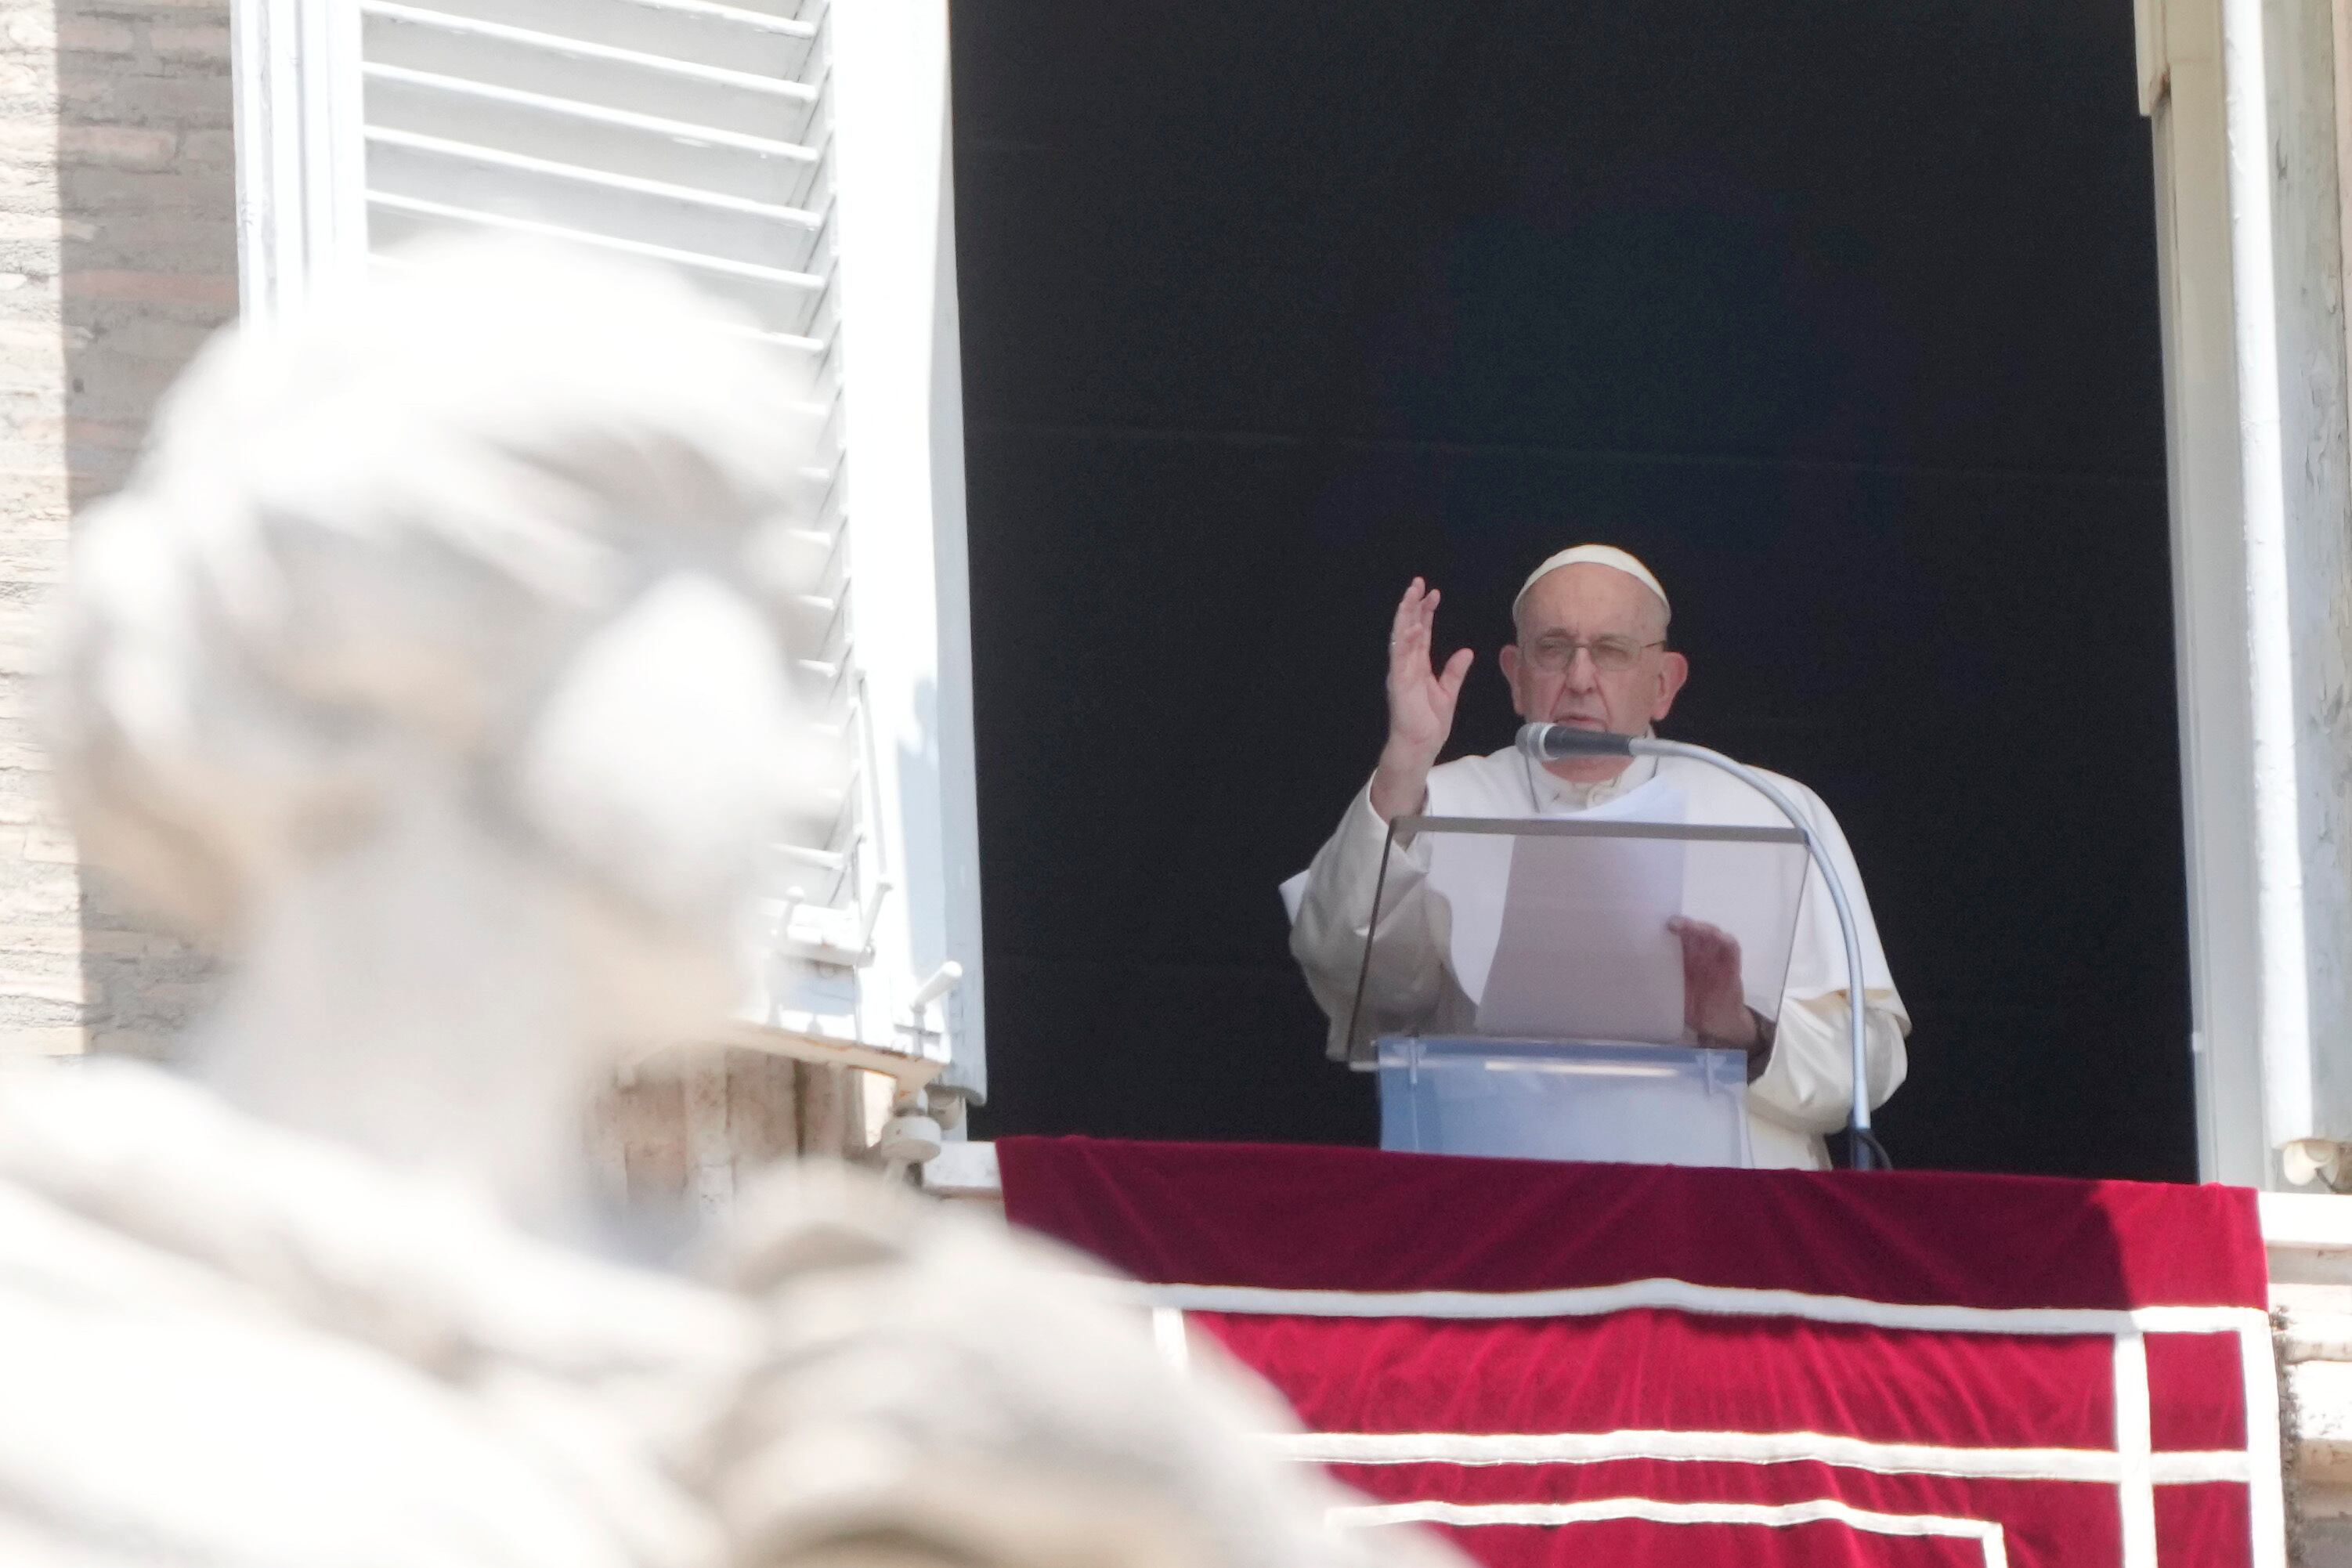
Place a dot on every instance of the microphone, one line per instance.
(1559, 742)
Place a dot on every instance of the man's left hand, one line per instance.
(1714, 1006)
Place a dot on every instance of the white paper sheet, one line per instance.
(1565, 937)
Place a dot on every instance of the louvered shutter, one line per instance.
(791, 156)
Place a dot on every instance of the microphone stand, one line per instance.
(1553, 742)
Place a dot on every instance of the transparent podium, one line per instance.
(1523, 994)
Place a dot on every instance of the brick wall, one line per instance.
(118, 256)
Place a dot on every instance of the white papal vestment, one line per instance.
(1805, 1087)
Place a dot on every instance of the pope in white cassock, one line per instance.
(1591, 651)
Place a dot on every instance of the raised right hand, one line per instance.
(1421, 704)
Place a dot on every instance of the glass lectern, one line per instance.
(1521, 993)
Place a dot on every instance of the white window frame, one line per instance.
(2250, 244)
(301, 219)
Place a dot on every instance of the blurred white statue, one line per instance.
(435, 664)
(430, 663)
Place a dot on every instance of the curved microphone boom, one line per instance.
(1560, 743)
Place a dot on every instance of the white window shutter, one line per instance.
(792, 156)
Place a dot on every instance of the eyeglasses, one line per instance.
(1611, 656)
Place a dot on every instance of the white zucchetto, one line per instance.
(1598, 555)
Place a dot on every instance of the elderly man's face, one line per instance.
(1574, 625)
